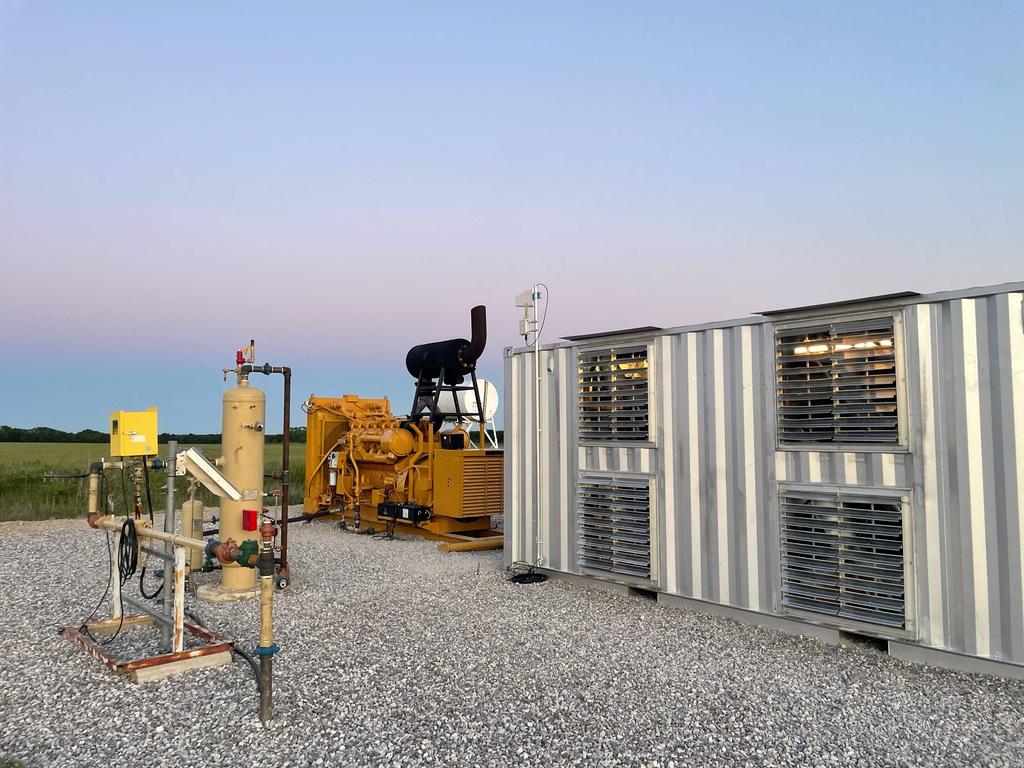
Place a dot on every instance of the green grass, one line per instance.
(25, 495)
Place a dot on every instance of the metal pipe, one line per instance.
(156, 553)
(94, 492)
(285, 443)
(478, 334)
(165, 621)
(138, 468)
(537, 433)
(266, 692)
(266, 648)
(172, 452)
(179, 599)
(111, 523)
(286, 372)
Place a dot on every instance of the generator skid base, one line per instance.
(460, 536)
(214, 652)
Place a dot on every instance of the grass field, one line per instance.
(25, 495)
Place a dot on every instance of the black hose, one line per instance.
(142, 573)
(127, 563)
(128, 551)
(252, 664)
(142, 586)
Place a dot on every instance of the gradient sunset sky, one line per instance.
(341, 181)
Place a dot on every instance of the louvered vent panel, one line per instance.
(837, 383)
(804, 386)
(615, 525)
(482, 483)
(842, 556)
(613, 394)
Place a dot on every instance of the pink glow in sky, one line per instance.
(342, 182)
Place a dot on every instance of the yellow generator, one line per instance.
(418, 474)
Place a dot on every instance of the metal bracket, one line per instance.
(195, 463)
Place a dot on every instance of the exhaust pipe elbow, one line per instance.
(478, 339)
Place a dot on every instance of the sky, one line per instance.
(341, 181)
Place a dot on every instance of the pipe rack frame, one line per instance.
(216, 648)
(215, 651)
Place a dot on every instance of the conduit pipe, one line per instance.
(266, 648)
(286, 372)
(113, 523)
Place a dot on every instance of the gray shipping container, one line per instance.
(850, 467)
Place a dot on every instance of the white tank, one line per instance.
(467, 401)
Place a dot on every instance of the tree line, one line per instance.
(51, 435)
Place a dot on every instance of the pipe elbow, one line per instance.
(478, 337)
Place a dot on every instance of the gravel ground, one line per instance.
(396, 654)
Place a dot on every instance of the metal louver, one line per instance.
(837, 383)
(842, 555)
(613, 394)
(615, 525)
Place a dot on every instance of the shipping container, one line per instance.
(853, 467)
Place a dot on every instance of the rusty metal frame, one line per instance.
(214, 643)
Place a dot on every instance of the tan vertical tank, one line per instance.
(192, 525)
(244, 417)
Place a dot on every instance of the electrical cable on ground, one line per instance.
(389, 530)
(106, 589)
(110, 564)
(522, 572)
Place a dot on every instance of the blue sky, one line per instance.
(341, 181)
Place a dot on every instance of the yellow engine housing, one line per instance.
(359, 456)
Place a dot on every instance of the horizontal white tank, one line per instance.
(467, 401)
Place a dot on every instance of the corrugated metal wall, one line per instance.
(713, 450)
(965, 363)
(556, 516)
(716, 435)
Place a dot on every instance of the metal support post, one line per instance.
(179, 599)
(170, 587)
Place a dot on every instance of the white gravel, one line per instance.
(396, 654)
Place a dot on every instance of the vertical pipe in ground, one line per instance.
(169, 586)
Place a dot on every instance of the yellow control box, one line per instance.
(133, 433)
